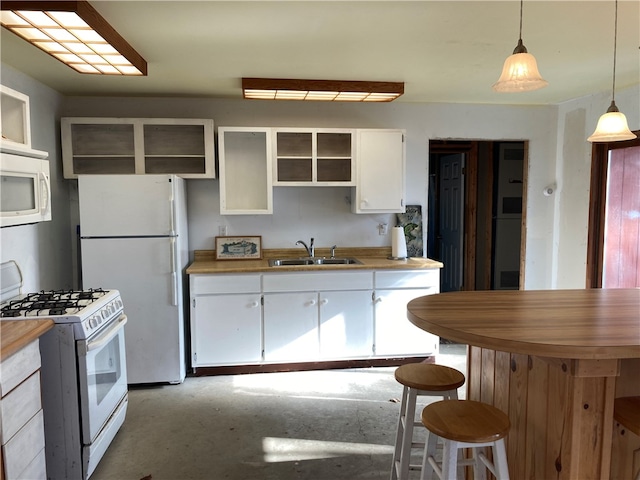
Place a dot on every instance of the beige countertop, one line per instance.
(372, 258)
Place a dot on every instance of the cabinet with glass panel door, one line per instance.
(318, 157)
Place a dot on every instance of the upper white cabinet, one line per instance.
(320, 157)
(137, 146)
(252, 160)
(244, 163)
(381, 171)
(15, 121)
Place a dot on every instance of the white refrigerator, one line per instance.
(133, 238)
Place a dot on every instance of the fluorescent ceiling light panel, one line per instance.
(74, 33)
(320, 90)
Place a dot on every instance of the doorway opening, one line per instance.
(476, 213)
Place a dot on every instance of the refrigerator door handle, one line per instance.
(174, 272)
(172, 216)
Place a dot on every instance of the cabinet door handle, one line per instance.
(254, 304)
(311, 303)
(324, 301)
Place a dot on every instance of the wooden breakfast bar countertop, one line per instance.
(590, 323)
(553, 360)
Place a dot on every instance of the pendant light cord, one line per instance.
(615, 41)
(521, 2)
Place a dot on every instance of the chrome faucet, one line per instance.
(333, 251)
(310, 249)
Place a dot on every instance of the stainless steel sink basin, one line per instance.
(282, 262)
(341, 261)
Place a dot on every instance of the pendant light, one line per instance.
(612, 126)
(520, 70)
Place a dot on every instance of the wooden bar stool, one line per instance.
(626, 411)
(422, 379)
(465, 424)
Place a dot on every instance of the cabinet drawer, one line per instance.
(19, 366)
(309, 282)
(24, 447)
(19, 406)
(36, 469)
(408, 279)
(207, 284)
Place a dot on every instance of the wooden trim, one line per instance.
(597, 204)
(523, 225)
(470, 218)
(307, 366)
(100, 25)
(91, 16)
(322, 85)
(488, 226)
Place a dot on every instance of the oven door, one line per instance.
(102, 377)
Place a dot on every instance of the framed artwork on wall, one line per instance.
(239, 248)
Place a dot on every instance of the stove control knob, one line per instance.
(93, 321)
(104, 313)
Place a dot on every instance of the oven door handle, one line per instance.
(105, 337)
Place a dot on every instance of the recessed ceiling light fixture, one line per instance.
(320, 90)
(612, 126)
(520, 71)
(74, 33)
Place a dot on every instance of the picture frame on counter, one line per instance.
(238, 248)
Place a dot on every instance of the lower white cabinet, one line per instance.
(307, 316)
(226, 320)
(395, 334)
(291, 327)
(228, 330)
(21, 419)
(346, 324)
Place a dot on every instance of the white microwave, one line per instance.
(25, 190)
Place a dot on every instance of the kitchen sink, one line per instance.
(282, 262)
(341, 261)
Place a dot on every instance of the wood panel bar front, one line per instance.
(559, 412)
(554, 361)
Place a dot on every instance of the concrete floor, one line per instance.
(318, 425)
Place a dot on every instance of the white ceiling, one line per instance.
(444, 51)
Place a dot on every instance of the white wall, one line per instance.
(577, 120)
(42, 250)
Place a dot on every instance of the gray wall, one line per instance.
(324, 213)
(42, 250)
(556, 233)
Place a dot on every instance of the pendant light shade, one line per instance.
(612, 126)
(520, 71)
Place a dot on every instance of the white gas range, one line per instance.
(84, 375)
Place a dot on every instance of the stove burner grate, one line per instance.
(53, 302)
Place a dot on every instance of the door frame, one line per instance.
(471, 228)
(597, 207)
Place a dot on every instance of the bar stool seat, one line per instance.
(626, 411)
(465, 424)
(419, 379)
